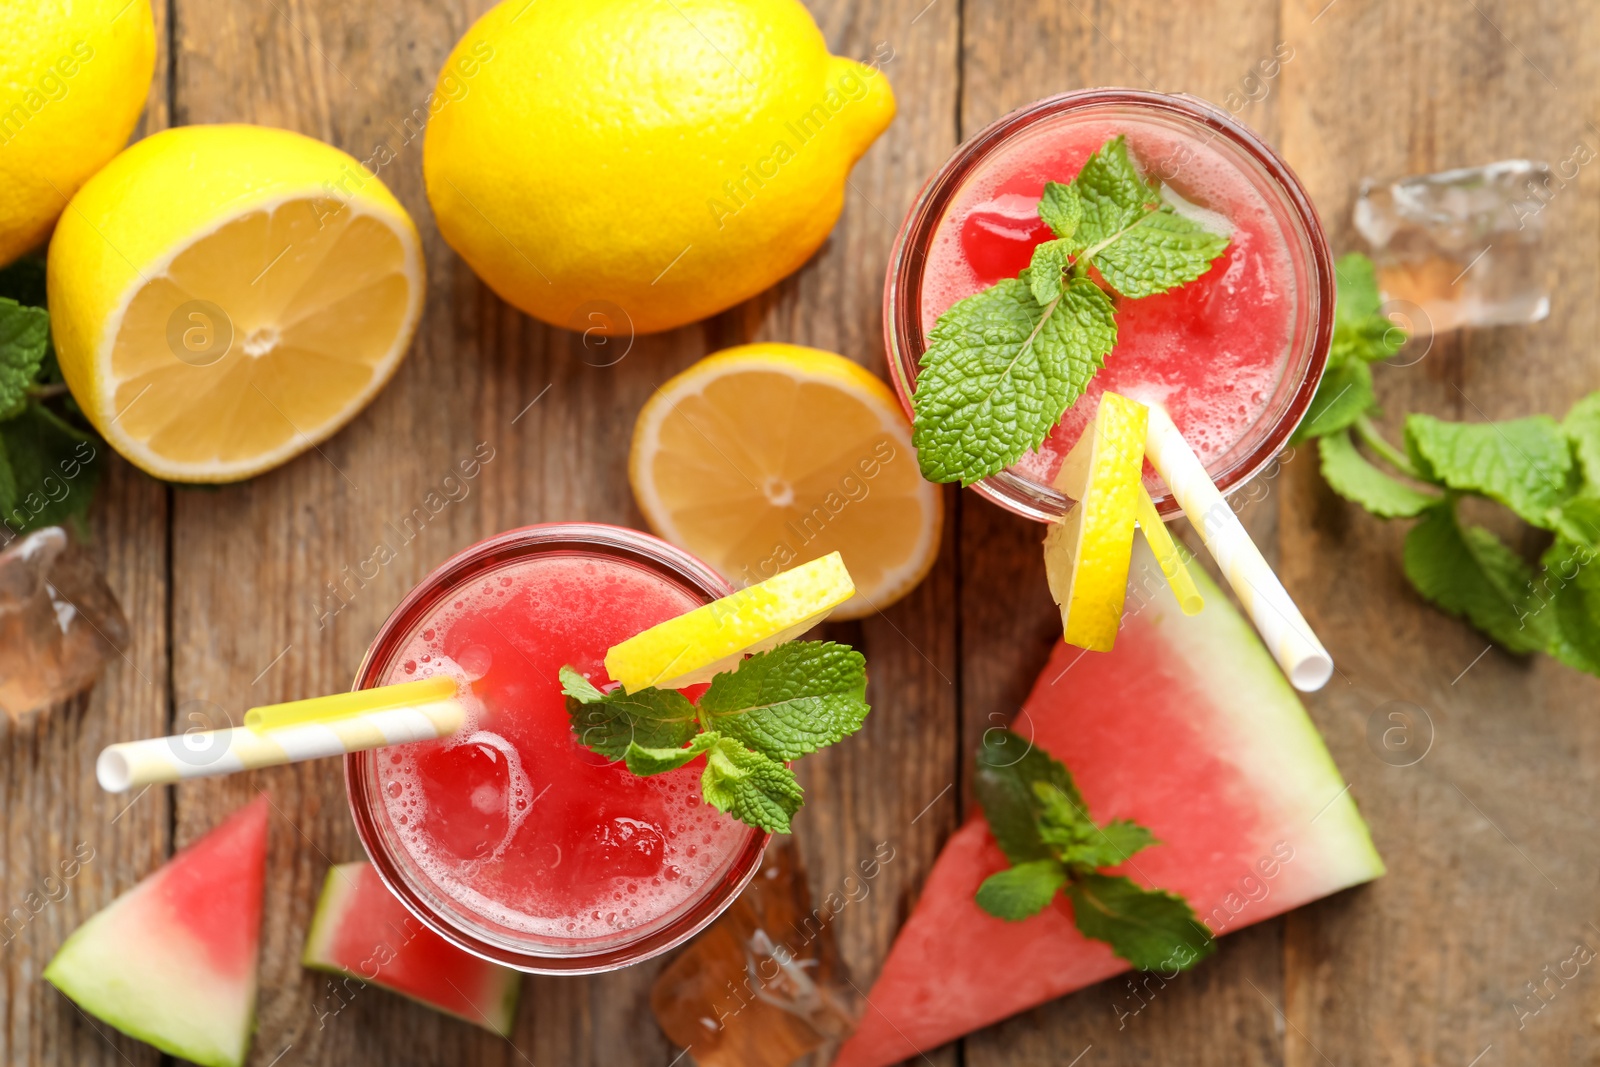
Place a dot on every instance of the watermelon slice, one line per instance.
(362, 931)
(173, 960)
(1188, 727)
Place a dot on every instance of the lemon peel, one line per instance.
(696, 646)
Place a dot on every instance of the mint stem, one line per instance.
(1375, 440)
(46, 392)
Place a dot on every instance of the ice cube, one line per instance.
(764, 985)
(58, 621)
(1461, 247)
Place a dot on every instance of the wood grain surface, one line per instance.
(1493, 861)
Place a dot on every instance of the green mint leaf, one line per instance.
(1046, 270)
(48, 470)
(1113, 844)
(1150, 929)
(578, 687)
(1038, 817)
(1112, 194)
(1021, 892)
(1578, 518)
(1470, 574)
(1160, 251)
(1369, 341)
(1360, 330)
(983, 395)
(648, 761)
(1349, 474)
(1522, 463)
(750, 787)
(1008, 769)
(1073, 837)
(1061, 209)
(1342, 397)
(1058, 812)
(650, 718)
(792, 700)
(1582, 428)
(24, 336)
(1569, 590)
(1356, 295)
(999, 372)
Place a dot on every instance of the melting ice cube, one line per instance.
(764, 985)
(58, 621)
(1462, 246)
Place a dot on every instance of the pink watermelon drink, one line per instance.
(1234, 355)
(510, 838)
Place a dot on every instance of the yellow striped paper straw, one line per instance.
(289, 733)
(1287, 634)
(1165, 549)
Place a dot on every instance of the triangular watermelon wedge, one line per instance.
(362, 931)
(1188, 727)
(173, 960)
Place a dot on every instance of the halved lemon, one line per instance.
(225, 297)
(764, 456)
(1087, 553)
(698, 645)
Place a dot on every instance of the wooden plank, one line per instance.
(1489, 858)
(253, 616)
(265, 550)
(1013, 54)
(887, 793)
(54, 812)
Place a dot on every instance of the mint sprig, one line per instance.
(48, 460)
(1041, 823)
(1003, 365)
(775, 707)
(1544, 472)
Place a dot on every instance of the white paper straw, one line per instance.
(204, 753)
(1287, 634)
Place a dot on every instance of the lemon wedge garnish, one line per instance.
(713, 638)
(1086, 554)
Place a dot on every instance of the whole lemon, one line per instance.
(73, 79)
(623, 165)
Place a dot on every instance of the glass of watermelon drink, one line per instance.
(1234, 356)
(510, 838)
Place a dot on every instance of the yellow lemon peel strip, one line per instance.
(698, 645)
(1168, 555)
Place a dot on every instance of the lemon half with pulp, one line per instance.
(223, 298)
(765, 456)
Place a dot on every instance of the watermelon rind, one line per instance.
(135, 969)
(1283, 750)
(91, 968)
(340, 891)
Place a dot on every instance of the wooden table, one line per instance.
(1492, 858)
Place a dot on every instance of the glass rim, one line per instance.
(902, 310)
(360, 782)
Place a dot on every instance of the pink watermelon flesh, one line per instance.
(362, 931)
(1188, 727)
(173, 960)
